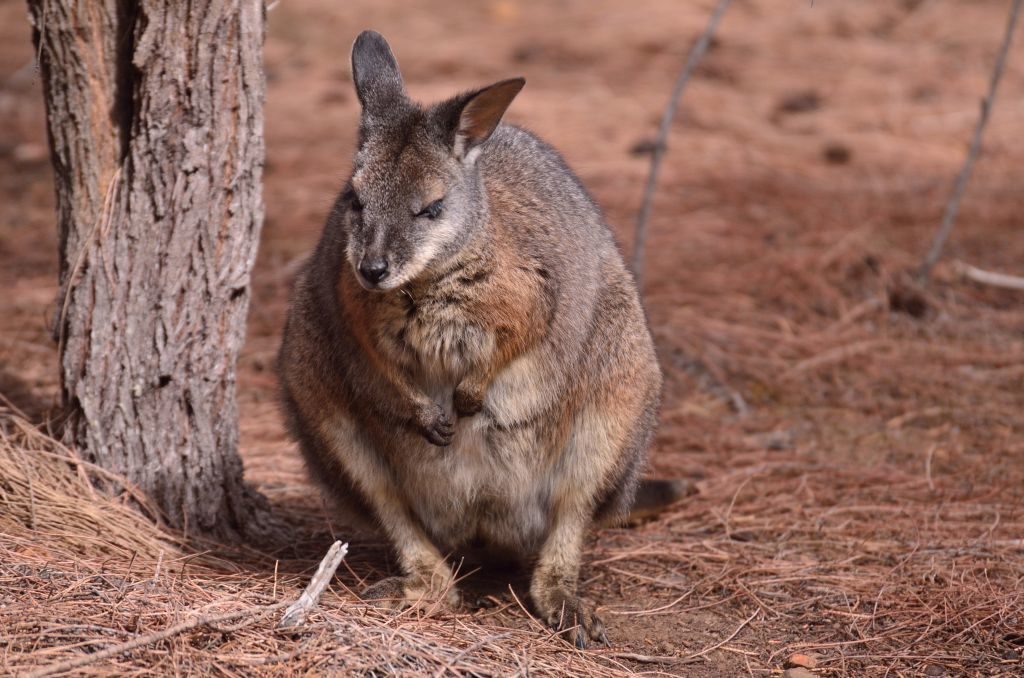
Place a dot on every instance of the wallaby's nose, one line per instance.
(374, 270)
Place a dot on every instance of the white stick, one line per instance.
(297, 611)
(1010, 282)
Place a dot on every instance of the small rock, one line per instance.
(799, 102)
(935, 670)
(837, 154)
(772, 440)
(644, 147)
(807, 661)
(924, 94)
(783, 440)
(798, 672)
(527, 53)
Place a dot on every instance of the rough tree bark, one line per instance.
(154, 112)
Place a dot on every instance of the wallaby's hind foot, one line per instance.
(398, 593)
(573, 618)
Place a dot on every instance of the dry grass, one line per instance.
(50, 503)
(874, 572)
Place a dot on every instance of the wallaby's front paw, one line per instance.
(435, 426)
(467, 401)
(574, 620)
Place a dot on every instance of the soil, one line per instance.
(855, 439)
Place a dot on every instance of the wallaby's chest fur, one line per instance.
(440, 329)
(492, 483)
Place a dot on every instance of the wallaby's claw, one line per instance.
(576, 622)
(441, 433)
(437, 428)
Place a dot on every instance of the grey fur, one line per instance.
(500, 385)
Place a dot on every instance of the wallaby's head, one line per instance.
(416, 196)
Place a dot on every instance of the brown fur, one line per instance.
(499, 385)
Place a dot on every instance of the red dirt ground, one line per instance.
(866, 503)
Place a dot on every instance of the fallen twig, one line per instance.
(694, 58)
(641, 658)
(965, 172)
(293, 616)
(835, 355)
(982, 277)
(297, 611)
(149, 639)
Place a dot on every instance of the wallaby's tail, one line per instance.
(655, 495)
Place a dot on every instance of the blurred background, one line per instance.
(848, 432)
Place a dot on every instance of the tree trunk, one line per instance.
(155, 118)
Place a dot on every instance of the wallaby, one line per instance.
(466, 358)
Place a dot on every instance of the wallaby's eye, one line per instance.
(433, 210)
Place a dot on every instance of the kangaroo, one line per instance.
(465, 357)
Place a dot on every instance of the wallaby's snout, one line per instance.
(416, 196)
(398, 224)
(374, 270)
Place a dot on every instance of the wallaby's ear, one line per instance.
(375, 72)
(481, 112)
